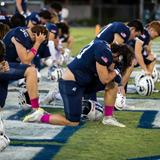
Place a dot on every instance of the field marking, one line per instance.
(156, 157)
(34, 140)
(150, 119)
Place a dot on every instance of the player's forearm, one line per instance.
(141, 61)
(25, 57)
(19, 7)
(107, 78)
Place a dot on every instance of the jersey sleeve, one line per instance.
(145, 38)
(22, 37)
(103, 56)
(123, 31)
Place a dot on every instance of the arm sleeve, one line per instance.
(145, 39)
(52, 49)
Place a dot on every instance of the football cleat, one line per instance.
(111, 121)
(34, 116)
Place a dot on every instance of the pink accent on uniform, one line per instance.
(35, 103)
(45, 118)
(105, 59)
(33, 50)
(108, 110)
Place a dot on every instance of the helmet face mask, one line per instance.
(144, 85)
(155, 75)
(91, 110)
(55, 73)
(138, 77)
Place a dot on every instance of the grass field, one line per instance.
(94, 141)
(82, 36)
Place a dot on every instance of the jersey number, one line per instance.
(104, 30)
(84, 49)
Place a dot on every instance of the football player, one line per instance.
(144, 57)
(118, 32)
(22, 44)
(22, 48)
(14, 71)
(94, 69)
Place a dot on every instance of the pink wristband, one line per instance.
(33, 50)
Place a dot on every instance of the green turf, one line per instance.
(82, 36)
(98, 142)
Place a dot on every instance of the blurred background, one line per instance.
(91, 12)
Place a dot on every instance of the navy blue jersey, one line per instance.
(5, 19)
(52, 28)
(84, 65)
(24, 6)
(107, 33)
(43, 50)
(144, 38)
(22, 36)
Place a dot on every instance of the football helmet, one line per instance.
(91, 110)
(138, 77)
(120, 103)
(145, 85)
(55, 73)
(23, 98)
